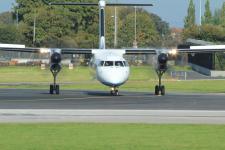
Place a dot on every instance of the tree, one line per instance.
(76, 26)
(223, 15)
(216, 19)
(9, 34)
(161, 26)
(147, 35)
(212, 33)
(192, 32)
(6, 18)
(190, 18)
(207, 19)
(55, 22)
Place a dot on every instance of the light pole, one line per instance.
(135, 28)
(34, 29)
(17, 18)
(200, 13)
(115, 26)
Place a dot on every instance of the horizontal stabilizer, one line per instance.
(73, 3)
(96, 4)
(126, 4)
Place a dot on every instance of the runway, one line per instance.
(99, 106)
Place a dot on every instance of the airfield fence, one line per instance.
(180, 75)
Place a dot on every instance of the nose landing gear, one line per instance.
(114, 91)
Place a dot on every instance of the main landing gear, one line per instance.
(160, 89)
(114, 91)
(54, 88)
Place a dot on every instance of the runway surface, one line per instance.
(99, 106)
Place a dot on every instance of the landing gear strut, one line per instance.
(54, 88)
(114, 91)
(160, 89)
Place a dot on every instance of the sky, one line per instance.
(171, 11)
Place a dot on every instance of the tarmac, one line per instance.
(98, 106)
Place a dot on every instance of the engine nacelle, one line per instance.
(56, 58)
(162, 61)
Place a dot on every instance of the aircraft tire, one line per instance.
(163, 91)
(116, 93)
(57, 89)
(156, 90)
(51, 90)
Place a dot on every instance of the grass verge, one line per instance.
(71, 136)
(142, 78)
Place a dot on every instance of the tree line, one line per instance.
(76, 26)
(212, 27)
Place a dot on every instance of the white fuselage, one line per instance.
(111, 68)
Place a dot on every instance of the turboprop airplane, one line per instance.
(111, 68)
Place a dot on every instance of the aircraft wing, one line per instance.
(201, 49)
(128, 51)
(75, 51)
(140, 51)
(29, 50)
(22, 48)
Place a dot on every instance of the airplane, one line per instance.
(111, 67)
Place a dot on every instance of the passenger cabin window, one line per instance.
(119, 63)
(108, 63)
(101, 63)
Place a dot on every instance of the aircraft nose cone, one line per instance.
(113, 77)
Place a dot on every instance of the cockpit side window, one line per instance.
(125, 63)
(108, 63)
(119, 63)
(101, 63)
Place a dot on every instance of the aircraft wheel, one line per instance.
(51, 89)
(163, 91)
(156, 90)
(57, 89)
(116, 93)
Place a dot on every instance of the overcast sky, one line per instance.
(172, 11)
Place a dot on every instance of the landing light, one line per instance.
(44, 50)
(173, 52)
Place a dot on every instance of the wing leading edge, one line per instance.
(200, 49)
(22, 48)
(128, 51)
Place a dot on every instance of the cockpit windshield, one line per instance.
(125, 64)
(101, 63)
(119, 63)
(108, 63)
(113, 63)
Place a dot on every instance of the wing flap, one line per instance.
(140, 51)
(75, 51)
(16, 49)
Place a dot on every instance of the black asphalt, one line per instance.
(40, 99)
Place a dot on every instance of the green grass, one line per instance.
(179, 68)
(142, 78)
(35, 74)
(70, 136)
